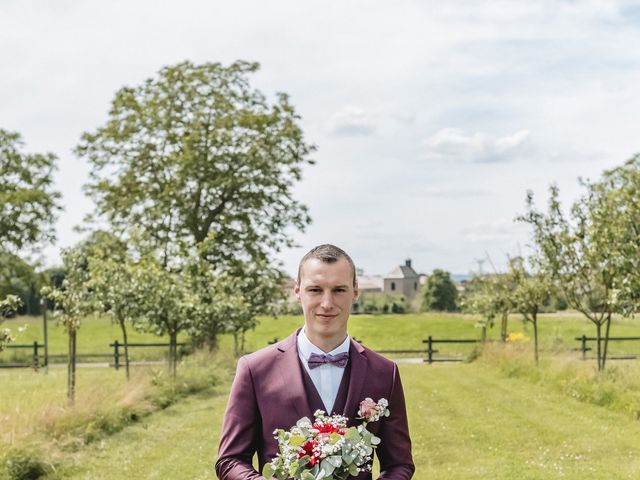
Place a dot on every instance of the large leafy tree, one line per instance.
(28, 201)
(439, 292)
(28, 206)
(197, 154)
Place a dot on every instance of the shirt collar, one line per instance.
(306, 348)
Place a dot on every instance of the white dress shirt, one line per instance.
(326, 378)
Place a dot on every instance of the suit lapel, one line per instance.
(359, 365)
(290, 376)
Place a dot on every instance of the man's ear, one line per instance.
(296, 290)
(356, 293)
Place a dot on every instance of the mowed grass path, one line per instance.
(467, 422)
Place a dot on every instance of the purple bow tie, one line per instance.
(339, 360)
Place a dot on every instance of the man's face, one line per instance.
(326, 293)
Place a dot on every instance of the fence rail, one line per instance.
(426, 352)
(430, 350)
(618, 356)
(117, 355)
(35, 356)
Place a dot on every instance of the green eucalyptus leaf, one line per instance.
(267, 471)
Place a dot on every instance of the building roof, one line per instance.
(403, 271)
(370, 282)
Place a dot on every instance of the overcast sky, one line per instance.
(431, 118)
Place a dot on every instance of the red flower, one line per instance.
(308, 450)
(326, 428)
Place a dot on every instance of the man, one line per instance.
(276, 386)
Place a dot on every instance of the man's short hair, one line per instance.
(328, 253)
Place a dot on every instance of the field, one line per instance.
(498, 417)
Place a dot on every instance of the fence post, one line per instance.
(45, 328)
(584, 347)
(35, 355)
(116, 355)
(430, 350)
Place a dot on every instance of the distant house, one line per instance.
(370, 283)
(403, 280)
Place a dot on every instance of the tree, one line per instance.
(576, 251)
(197, 162)
(231, 300)
(18, 277)
(619, 230)
(530, 293)
(28, 202)
(489, 296)
(72, 302)
(116, 284)
(440, 293)
(197, 154)
(171, 307)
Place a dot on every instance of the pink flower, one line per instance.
(368, 408)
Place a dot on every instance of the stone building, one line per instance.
(403, 280)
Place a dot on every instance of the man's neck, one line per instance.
(326, 344)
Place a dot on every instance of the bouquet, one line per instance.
(326, 449)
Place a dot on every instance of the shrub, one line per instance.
(25, 465)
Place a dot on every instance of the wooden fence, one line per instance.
(36, 360)
(584, 348)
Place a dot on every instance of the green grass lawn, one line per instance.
(466, 421)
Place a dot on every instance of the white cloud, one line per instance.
(352, 120)
(454, 144)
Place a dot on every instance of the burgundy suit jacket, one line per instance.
(268, 393)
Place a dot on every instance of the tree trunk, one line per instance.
(598, 349)
(236, 344)
(535, 336)
(123, 327)
(173, 353)
(503, 327)
(606, 340)
(212, 340)
(71, 367)
(484, 334)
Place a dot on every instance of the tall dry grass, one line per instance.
(616, 388)
(40, 429)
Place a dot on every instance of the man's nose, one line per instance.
(327, 300)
